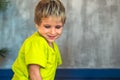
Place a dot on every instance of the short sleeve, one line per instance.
(35, 53)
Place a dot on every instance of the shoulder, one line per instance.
(34, 40)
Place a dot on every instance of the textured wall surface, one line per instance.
(90, 37)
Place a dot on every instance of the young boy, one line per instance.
(39, 55)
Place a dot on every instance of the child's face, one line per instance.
(50, 28)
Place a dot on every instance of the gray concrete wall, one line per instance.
(90, 37)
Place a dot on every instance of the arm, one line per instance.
(34, 72)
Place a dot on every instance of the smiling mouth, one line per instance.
(51, 37)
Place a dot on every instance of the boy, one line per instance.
(39, 55)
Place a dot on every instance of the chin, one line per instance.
(51, 40)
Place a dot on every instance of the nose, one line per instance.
(53, 31)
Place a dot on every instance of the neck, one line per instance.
(50, 44)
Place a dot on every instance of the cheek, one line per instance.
(43, 30)
(60, 31)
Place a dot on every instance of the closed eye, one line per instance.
(47, 26)
(58, 27)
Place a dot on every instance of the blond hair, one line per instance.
(46, 8)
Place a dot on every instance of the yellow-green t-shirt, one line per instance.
(35, 50)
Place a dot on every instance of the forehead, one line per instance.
(52, 20)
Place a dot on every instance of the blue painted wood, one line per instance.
(6, 74)
(75, 74)
(88, 74)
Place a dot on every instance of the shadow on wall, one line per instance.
(3, 4)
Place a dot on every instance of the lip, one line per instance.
(52, 37)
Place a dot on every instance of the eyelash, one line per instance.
(47, 26)
(57, 27)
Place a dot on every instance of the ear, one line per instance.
(37, 26)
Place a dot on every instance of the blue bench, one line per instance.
(75, 74)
